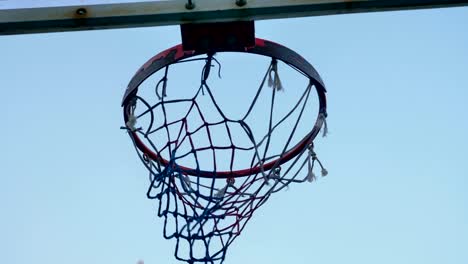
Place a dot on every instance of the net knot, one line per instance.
(310, 165)
(131, 123)
(185, 181)
(276, 174)
(221, 192)
(323, 117)
(274, 81)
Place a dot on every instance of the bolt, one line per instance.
(190, 5)
(81, 11)
(241, 2)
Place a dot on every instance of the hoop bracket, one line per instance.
(210, 37)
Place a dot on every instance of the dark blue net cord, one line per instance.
(205, 206)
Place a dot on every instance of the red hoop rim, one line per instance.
(262, 47)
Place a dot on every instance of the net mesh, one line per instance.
(207, 191)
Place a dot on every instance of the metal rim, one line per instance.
(262, 47)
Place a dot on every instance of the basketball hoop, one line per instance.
(205, 204)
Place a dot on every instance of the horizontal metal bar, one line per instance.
(159, 13)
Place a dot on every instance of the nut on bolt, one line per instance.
(81, 11)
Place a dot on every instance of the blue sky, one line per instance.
(73, 189)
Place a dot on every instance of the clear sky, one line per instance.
(73, 190)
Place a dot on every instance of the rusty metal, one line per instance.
(158, 13)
